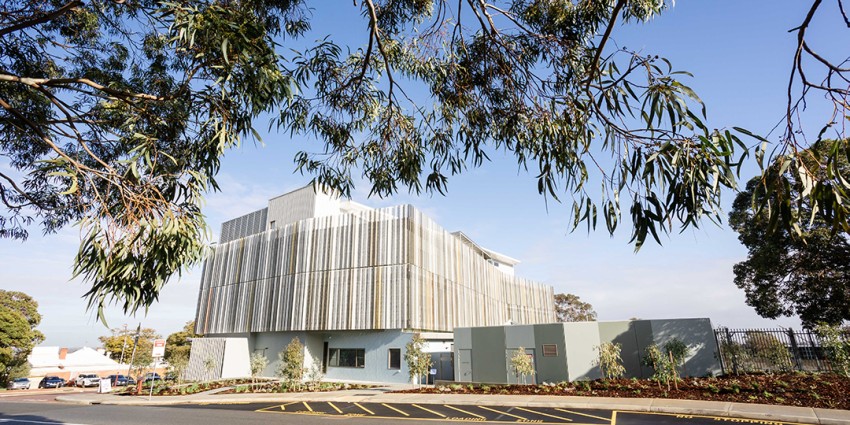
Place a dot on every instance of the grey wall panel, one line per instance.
(581, 339)
(698, 335)
(623, 333)
(488, 363)
(288, 208)
(377, 345)
(644, 338)
(550, 368)
(246, 225)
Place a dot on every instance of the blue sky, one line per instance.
(740, 54)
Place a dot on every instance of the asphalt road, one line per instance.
(15, 411)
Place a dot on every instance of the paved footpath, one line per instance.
(745, 413)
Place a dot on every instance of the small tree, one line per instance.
(836, 347)
(418, 361)
(610, 361)
(660, 363)
(680, 351)
(521, 362)
(291, 362)
(258, 363)
(315, 375)
(209, 365)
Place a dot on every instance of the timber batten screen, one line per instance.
(389, 268)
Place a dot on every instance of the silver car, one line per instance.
(19, 384)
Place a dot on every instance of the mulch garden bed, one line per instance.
(793, 389)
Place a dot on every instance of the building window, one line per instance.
(347, 357)
(272, 225)
(395, 358)
(550, 350)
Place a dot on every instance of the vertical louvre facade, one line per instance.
(390, 268)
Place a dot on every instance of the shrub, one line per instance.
(660, 364)
(609, 360)
(291, 363)
(680, 351)
(521, 362)
(418, 361)
(836, 347)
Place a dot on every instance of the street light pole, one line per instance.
(123, 347)
(135, 344)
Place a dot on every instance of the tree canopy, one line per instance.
(137, 352)
(178, 344)
(570, 308)
(805, 272)
(18, 334)
(115, 115)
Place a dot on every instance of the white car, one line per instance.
(87, 380)
(19, 384)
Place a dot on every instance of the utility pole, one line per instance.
(135, 344)
(123, 347)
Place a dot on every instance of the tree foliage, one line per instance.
(179, 344)
(609, 360)
(805, 270)
(126, 340)
(290, 364)
(418, 361)
(570, 308)
(522, 364)
(18, 334)
(115, 115)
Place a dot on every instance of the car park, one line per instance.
(87, 380)
(51, 382)
(19, 384)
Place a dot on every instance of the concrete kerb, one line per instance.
(679, 407)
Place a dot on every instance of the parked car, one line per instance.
(151, 376)
(120, 380)
(19, 384)
(87, 380)
(51, 382)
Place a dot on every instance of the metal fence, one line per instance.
(772, 350)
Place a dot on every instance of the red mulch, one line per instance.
(794, 389)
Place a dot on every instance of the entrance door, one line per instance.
(464, 365)
(325, 352)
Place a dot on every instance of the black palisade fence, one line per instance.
(772, 350)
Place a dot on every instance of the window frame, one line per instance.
(335, 354)
(390, 359)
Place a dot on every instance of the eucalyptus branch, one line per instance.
(47, 17)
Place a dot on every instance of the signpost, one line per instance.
(158, 353)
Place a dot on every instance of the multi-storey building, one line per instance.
(352, 283)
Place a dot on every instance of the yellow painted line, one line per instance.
(307, 406)
(464, 411)
(283, 406)
(614, 417)
(544, 414)
(584, 414)
(399, 411)
(429, 410)
(716, 418)
(335, 408)
(370, 412)
(503, 413)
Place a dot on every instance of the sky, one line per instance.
(740, 54)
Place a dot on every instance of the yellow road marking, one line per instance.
(504, 413)
(584, 414)
(464, 411)
(544, 414)
(283, 406)
(335, 408)
(716, 418)
(429, 410)
(370, 412)
(307, 406)
(614, 417)
(399, 411)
